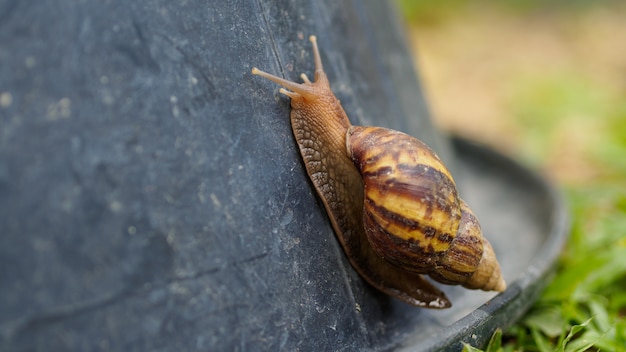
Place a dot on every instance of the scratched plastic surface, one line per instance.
(152, 196)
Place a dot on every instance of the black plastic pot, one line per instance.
(152, 196)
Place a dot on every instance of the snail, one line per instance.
(392, 203)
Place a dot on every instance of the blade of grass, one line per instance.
(573, 331)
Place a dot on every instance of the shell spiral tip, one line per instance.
(487, 276)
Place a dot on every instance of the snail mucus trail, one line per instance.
(393, 204)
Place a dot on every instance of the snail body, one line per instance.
(393, 204)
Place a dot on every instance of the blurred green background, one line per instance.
(544, 82)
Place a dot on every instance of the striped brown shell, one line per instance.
(413, 215)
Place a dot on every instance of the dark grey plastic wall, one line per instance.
(151, 193)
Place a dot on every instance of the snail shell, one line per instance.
(413, 215)
(392, 203)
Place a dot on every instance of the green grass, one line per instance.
(428, 11)
(584, 307)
